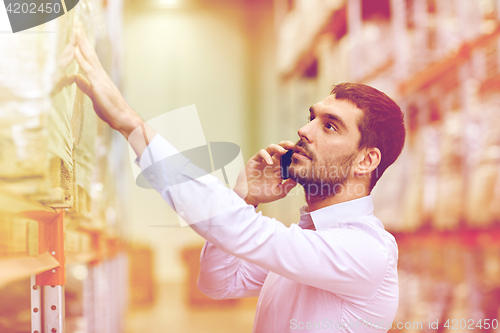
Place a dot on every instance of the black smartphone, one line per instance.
(286, 160)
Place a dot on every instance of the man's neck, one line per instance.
(348, 193)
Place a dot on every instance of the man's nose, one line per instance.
(306, 132)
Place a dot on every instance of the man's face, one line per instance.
(330, 145)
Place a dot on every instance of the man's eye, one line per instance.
(310, 118)
(331, 126)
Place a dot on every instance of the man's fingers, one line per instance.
(86, 49)
(87, 68)
(83, 84)
(287, 186)
(72, 37)
(287, 144)
(67, 56)
(275, 149)
(272, 153)
(263, 154)
(276, 159)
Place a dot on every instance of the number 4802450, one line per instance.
(31, 8)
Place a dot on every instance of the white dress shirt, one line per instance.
(336, 271)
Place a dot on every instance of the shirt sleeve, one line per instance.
(346, 261)
(225, 276)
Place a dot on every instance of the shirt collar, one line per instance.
(331, 216)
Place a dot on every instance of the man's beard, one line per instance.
(322, 180)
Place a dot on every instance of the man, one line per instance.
(336, 269)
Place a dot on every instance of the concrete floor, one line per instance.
(171, 314)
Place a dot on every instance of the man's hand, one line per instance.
(108, 102)
(260, 181)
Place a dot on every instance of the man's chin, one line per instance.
(302, 163)
(298, 172)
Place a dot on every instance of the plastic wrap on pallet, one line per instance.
(26, 72)
(23, 139)
(84, 131)
(37, 105)
(27, 69)
(31, 72)
(33, 103)
(63, 95)
(88, 144)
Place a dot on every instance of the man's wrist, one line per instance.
(136, 131)
(128, 124)
(249, 202)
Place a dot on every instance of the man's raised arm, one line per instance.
(108, 102)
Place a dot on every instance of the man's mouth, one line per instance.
(301, 153)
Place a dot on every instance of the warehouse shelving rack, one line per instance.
(36, 244)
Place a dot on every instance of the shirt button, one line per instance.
(151, 177)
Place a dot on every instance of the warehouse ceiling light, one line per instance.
(169, 3)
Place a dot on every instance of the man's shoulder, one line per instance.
(370, 227)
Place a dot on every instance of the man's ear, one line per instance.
(369, 161)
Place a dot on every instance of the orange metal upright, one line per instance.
(51, 240)
(47, 288)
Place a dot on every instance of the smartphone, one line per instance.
(286, 160)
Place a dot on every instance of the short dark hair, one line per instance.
(382, 125)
